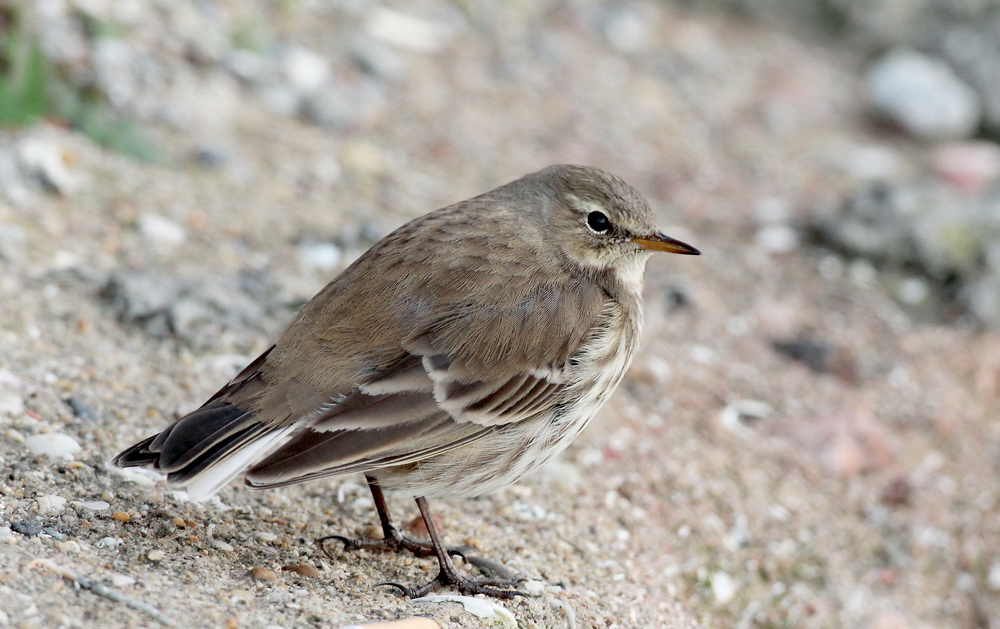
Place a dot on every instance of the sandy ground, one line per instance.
(724, 485)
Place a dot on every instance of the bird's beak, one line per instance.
(661, 242)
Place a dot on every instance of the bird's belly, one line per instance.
(517, 449)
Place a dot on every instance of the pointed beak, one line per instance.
(661, 242)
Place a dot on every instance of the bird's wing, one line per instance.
(445, 392)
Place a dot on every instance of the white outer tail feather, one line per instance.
(216, 477)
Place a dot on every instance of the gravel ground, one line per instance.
(793, 446)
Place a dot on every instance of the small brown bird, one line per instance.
(460, 353)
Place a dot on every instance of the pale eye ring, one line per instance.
(598, 222)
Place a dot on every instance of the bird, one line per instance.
(457, 355)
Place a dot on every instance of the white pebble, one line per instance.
(137, 475)
(110, 542)
(480, 607)
(659, 367)
(47, 157)
(563, 475)
(51, 505)
(121, 580)
(723, 587)
(923, 95)
(94, 505)
(161, 231)
(221, 545)
(534, 587)
(739, 415)
(156, 555)
(264, 536)
(702, 354)
(53, 444)
(322, 256)
(69, 546)
(304, 70)
(913, 291)
(6, 535)
(777, 239)
(993, 579)
(11, 404)
(407, 31)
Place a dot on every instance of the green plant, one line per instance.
(31, 89)
(23, 81)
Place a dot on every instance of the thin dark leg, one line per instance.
(392, 539)
(388, 530)
(450, 575)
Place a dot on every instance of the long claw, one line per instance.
(407, 592)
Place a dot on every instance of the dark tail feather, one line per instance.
(137, 455)
(187, 439)
(198, 432)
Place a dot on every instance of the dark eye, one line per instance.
(598, 223)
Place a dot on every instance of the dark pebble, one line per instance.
(31, 528)
(81, 409)
(814, 353)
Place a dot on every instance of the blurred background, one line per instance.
(810, 435)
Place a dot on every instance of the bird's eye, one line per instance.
(598, 223)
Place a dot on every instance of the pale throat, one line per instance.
(631, 269)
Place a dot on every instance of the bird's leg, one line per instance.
(392, 538)
(450, 575)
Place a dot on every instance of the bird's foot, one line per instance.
(395, 542)
(450, 576)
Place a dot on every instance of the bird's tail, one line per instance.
(207, 448)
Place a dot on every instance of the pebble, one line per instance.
(264, 536)
(29, 528)
(139, 476)
(659, 368)
(815, 353)
(69, 546)
(51, 505)
(407, 31)
(377, 59)
(218, 544)
(724, 587)
(161, 232)
(342, 106)
(110, 542)
(923, 95)
(11, 404)
(479, 607)
(970, 166)
(12, 242)
(263, 574)
(321, 256)
(81, 409)
(777, 239)
(239, 596)
(94, 505)
(156, 555)
(993, 578)
(739, 416)
(121, 516)
(303, 569)
(53, 444)
(564, 476)
(120, 580)
(6, 534)
(44, 155)
(630, 27)
(304, 70)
